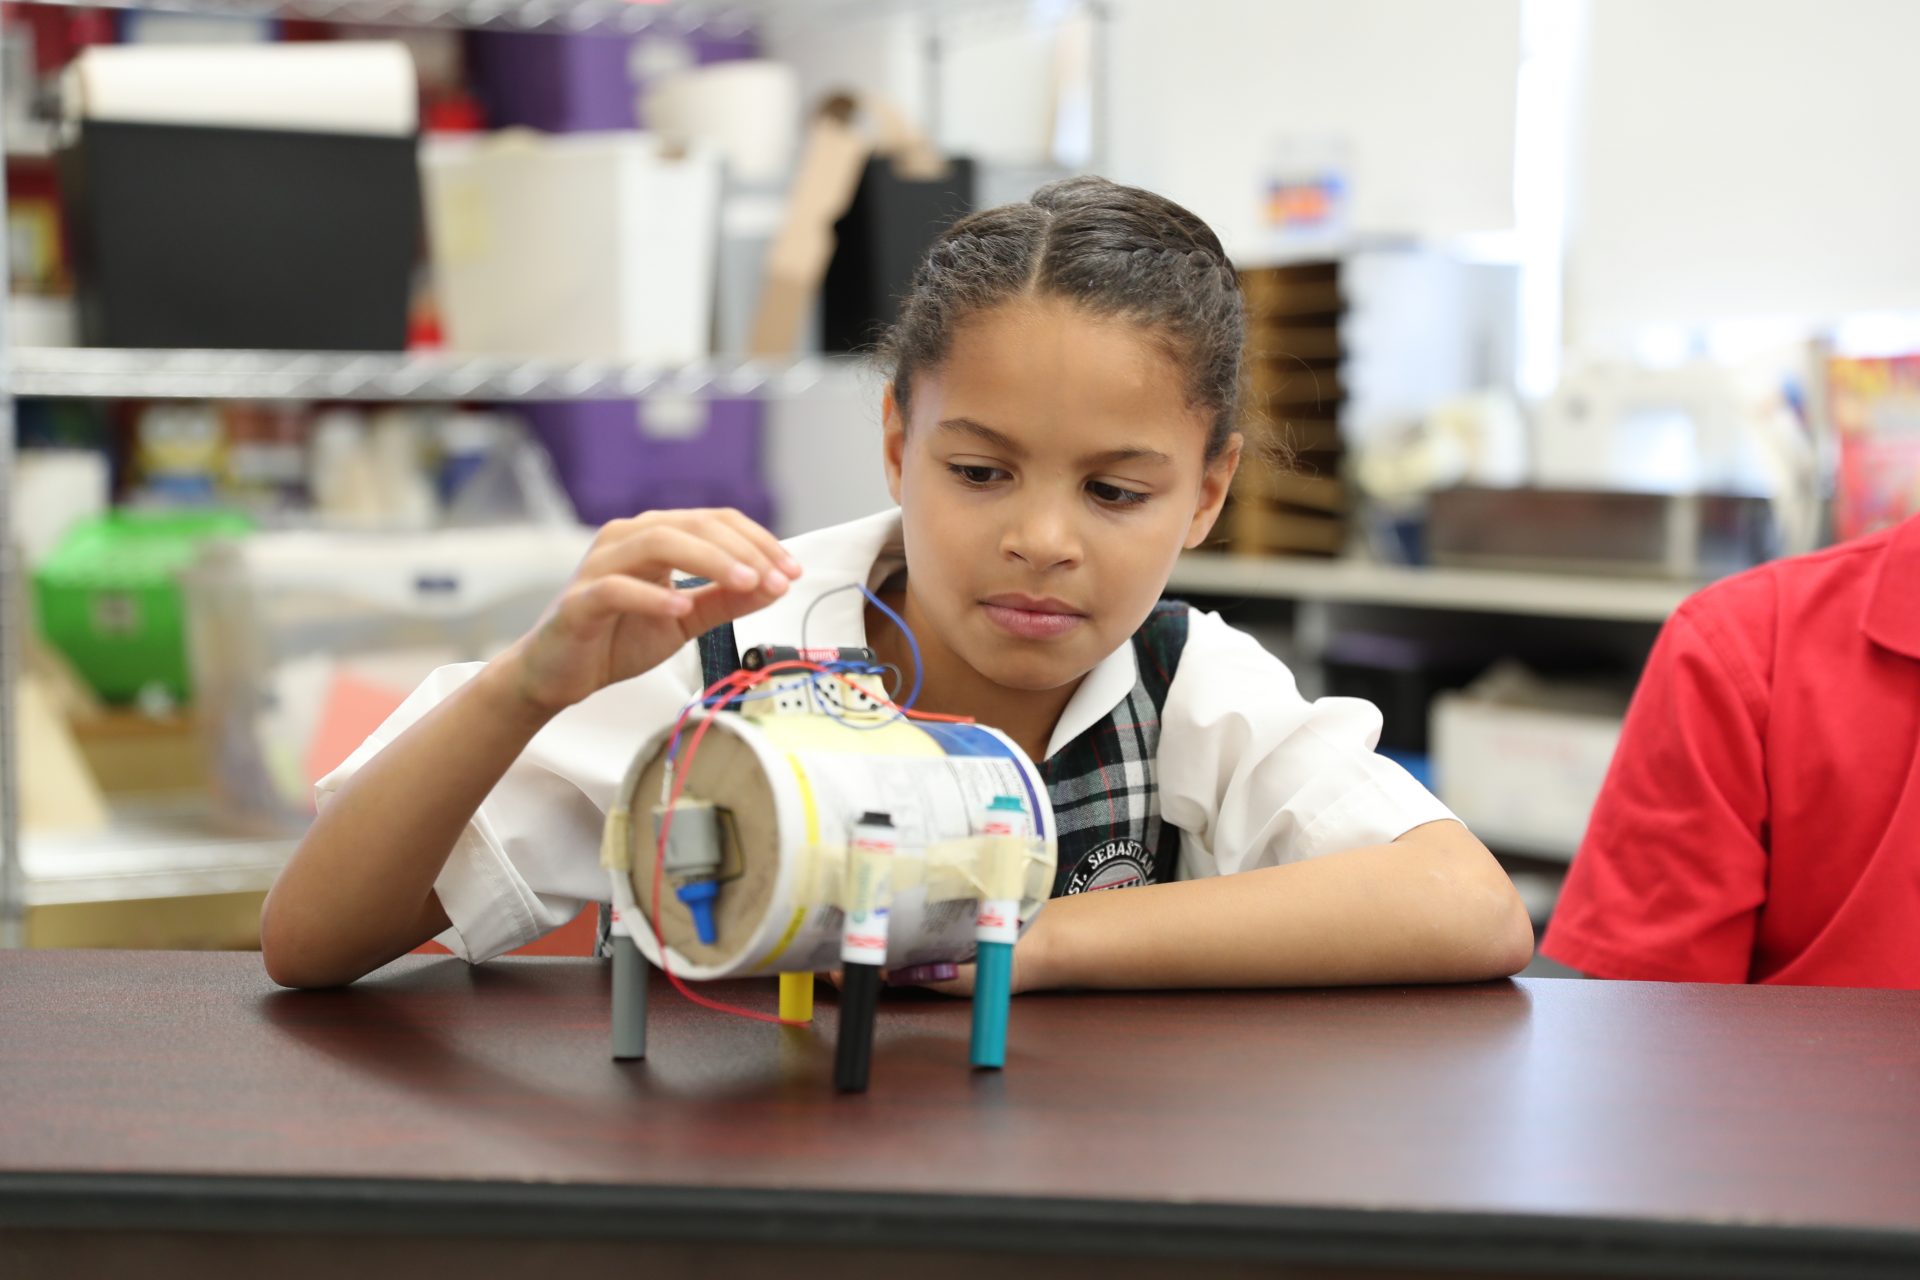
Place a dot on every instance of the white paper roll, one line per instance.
(748, 110)
(337, 87)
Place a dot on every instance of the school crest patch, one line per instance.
(1117, 864)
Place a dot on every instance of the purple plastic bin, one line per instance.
(614, 462)
(581, 83)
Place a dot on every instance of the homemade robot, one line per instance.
(796, 820)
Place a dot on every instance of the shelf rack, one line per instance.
(278, 376)
(306, 376)
(103, 373)
(608, 16)
(1353, 581)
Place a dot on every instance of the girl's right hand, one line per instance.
(622, 616)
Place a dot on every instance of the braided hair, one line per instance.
(1114, 250)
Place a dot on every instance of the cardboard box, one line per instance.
(1521, 761)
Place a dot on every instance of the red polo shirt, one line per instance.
(1761, 819)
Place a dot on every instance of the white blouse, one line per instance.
(1251, 773)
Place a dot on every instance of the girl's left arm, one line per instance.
(1433, 906)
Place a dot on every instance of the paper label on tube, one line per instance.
(998, 920)
(935, 786)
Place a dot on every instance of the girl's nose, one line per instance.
(1042, 534)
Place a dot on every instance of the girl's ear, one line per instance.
(1214, 484)
(893, 441)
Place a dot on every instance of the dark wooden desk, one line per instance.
(177, 1109)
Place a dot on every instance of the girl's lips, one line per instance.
(1031, 624)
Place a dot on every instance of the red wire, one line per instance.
(736, 683)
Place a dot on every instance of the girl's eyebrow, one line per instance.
(1008, 445)
(985, 433)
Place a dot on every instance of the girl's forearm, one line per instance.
(359, 889)
(1433, 906)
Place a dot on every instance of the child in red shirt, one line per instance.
(1761, 819)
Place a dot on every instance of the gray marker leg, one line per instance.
(629, 999)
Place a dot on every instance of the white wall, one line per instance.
(823, 452)
(1421, 90)
(882, 55)
(1743, 158)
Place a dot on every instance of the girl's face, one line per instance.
(1051, 474)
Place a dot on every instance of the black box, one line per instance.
(878, 244)
(1400, 675)
(194, 236)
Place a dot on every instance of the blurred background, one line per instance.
(333, 327)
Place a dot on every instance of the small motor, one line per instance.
(851, 687)
(765, 655)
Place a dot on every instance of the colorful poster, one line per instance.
(1875, 404)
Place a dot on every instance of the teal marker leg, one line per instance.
(992, 998)
(629, 999)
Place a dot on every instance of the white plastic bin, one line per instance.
(582, 246)
(1521, 761)
(301, 642)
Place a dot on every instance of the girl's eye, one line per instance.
(976, 476)
(1114, 495)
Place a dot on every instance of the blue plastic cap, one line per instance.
(699, 895)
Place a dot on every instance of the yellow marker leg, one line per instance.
(796, 997)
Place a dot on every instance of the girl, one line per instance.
(1058, 426)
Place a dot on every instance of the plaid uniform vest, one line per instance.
(1106, 799)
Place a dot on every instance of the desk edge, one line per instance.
(1292, 1234)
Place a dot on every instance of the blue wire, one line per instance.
(854, 668)
(913, 645)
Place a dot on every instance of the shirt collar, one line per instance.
(1893, 610)
(835, 557)
(863, 551)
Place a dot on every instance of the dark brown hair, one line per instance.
(1112, 249)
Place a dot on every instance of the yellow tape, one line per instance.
(812, 812)
(952, 870)
(827, 735)
(614, 853)
(1041, 861)
(1003, 866)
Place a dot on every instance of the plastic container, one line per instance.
(109, 597)
(583, 246)
(583, 82)
(1521, 760)
(303, 642)
(620, 457)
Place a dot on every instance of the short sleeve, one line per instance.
(1669, 880)
(530, 858)
(1256, 775)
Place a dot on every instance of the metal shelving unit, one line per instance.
(608, 16)
(102, 373)
(308, 376)
(156, 850)
(1350, 581)
(327, 376)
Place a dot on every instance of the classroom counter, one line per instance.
(178, 1113)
